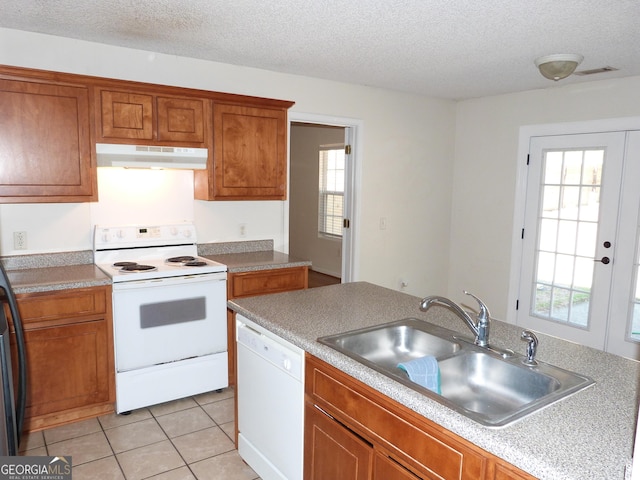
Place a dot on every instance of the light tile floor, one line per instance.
(188, 439)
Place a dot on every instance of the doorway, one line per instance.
(579, 272)
(321, 200)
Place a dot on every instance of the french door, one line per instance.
(579, 275)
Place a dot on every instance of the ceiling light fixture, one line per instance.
(558, 66)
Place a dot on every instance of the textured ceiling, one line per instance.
(444, 48)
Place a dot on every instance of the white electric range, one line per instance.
(169, 313)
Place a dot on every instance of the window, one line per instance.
(331, 190)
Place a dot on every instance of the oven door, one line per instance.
(169, 319)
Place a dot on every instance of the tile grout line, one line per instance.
(113, 453)
(103, 429)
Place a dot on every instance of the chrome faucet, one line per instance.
(480, 327)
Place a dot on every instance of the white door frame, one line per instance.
(524, 139)
(353, 136)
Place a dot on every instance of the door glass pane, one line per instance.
(566, 247)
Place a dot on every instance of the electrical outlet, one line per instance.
(20, 240)
(242, 229)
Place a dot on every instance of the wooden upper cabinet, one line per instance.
(45, 142)
(250, 154)
(126, 115)
(151, 118)
(181, 119)
(50, 122)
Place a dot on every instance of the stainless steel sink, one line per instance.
(387, 345)
(492, 389)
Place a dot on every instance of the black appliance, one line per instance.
(11, 412)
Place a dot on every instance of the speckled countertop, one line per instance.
(62, 270)
(249, 256)
(588, 435)
(48, 272)
(250, 261)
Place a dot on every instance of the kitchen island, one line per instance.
(587, 435)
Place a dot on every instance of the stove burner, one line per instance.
(124, 264)
(195, 263)
(182, 259)
(137, 268)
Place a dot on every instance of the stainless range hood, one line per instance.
(143, 156)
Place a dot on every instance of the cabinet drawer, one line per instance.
(386, 469)
(411, 439)
(507, 472)
(46, 307)
(247, 284)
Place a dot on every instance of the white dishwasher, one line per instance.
(270, 392)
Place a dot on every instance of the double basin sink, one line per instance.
(493, 388)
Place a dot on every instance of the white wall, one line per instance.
(406, 167)
(485, 173)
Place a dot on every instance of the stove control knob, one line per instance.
(120, 233)
(105, 236)
(187, 233)
(173, 231)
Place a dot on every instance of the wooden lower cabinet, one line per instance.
(261, 282)
(384, 468)
(373, 437)
(336, 452)
(509, 472)
(69, 350)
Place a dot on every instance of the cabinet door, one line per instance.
(67, 367)
(332, 451)
(249, 152)
(180, 119)
(69, 350)
(125, 115)
(386, 469)
(45, 147)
